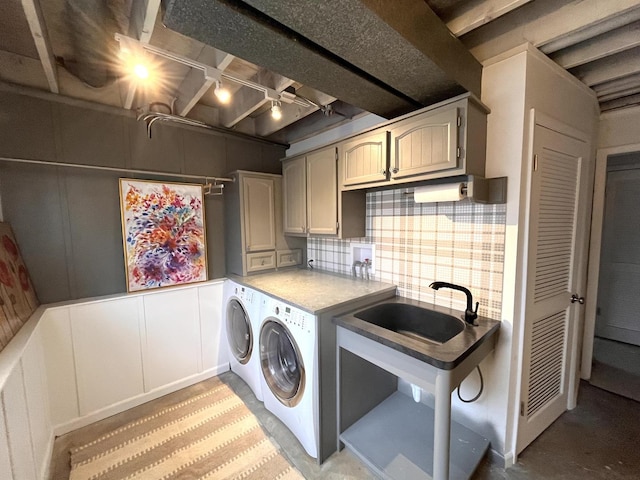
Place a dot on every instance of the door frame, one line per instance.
(595, 246)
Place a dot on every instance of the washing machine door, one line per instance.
(281, 363)
(239, 332)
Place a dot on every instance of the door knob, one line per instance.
(575, 298)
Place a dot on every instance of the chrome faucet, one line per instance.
(470, 314)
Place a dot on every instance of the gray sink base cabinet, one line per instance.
(386, 437)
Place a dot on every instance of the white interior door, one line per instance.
(618, 311)
(555, 271)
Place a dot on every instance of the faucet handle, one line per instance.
(476, 309)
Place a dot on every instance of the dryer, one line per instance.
(242, 324)
(289, 367)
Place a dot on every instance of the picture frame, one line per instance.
(163, 233)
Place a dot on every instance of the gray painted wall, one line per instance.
(67, 220)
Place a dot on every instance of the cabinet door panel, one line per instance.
(322, 192)
(365, 159)
(425, 144)
(295, 197)
(259, 213)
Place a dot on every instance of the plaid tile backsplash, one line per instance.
(418, 243)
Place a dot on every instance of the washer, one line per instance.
(288, 361)
(242, 323)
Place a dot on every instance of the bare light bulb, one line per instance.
(276, 111)
(222, 93)
(141, 71)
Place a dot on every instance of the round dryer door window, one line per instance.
(281, 363)
(239, 331)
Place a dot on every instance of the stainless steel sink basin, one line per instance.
(413, 321)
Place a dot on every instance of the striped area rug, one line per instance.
(209, 436)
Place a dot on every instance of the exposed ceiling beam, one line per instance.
(586, 34)
(196, 83)
(33, 12)
(609, 43)
(247, 100)
(609, 88)
(425, 68)
(611, 68)
(620, 103)
(541, 23)
(475, 13)
(277, 49)
(619, 94)
(141, 25)
(143, 19)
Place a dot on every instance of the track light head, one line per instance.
(222, 93)
(276, 110)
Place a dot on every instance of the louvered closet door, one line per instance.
(556, 230)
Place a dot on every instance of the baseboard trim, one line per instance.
(121, 406)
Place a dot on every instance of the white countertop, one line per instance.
(312, 290)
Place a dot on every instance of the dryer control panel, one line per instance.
(294, 318)
(245, 294)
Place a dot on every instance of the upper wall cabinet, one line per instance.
(425, 144)
(364, 158)
(445, 140)
(310, 194)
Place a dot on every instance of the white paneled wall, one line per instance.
(172, 333)
(98, 331)
(73, 364)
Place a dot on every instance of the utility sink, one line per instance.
(413, 321)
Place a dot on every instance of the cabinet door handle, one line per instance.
(383, 173)
(395, 170)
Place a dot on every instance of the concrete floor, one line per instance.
(596, 440)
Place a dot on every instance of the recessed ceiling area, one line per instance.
(342, 59)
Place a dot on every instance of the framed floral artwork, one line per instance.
(163, 233)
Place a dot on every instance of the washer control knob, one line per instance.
(277, 310)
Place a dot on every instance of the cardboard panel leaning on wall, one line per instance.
(67, 220)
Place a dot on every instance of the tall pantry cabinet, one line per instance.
(253, 225)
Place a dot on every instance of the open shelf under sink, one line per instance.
(395, 439)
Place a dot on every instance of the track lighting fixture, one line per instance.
(276, 110)
(222, 93)
(129, 45)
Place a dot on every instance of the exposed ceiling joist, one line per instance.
(542, 23)
(620, 103)
(143, 19)
(196, 83)
(609, 43)
(588, 32)
(142, 23)
(614, 86)
(248, 100)
(33, 12)
(611, 68)
(476, 13)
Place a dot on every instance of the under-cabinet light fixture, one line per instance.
(128, 44)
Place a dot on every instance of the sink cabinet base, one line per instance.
(396, 440)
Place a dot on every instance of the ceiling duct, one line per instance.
(92, 25)
(384, 57)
